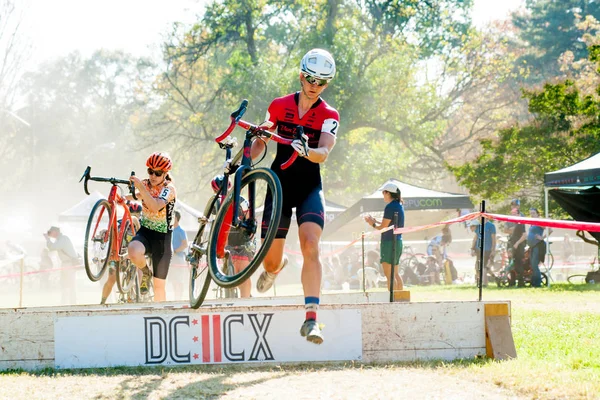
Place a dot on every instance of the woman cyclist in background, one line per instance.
(156, 223)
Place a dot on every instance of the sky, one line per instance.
(58, 27)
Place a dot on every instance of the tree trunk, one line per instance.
(332, 11)
(250, 44)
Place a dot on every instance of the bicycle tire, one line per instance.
(99, 226)
(576, 279)
(544, 281)
(125, 270)
(199, 275)
(249, 181)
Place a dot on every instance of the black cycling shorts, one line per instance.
(158, 247)
(309, 208)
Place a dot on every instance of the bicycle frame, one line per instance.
(115, 199)
(252, 131)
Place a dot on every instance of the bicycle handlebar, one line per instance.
(236, 119)
(114, 181)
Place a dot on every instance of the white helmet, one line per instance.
(318, 63)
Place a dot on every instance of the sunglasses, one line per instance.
(315, 81)
(158, 174)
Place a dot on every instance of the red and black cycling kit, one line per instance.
(301, 182)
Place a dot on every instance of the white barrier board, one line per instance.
(203, 338)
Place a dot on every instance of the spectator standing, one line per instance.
(516, 246)
(179, 273)
(392, 198)
(489, 243)
(537, 248)
(69, 259)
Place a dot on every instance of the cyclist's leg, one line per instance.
(310, 214)
(273, 260)
(161, 259)
(239, 263)
(138, 248)
(108, 285)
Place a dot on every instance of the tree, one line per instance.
(549, 28)
(565, 129)
(80, 110)
(14, 49)
(405, 69)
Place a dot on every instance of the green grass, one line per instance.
(557, 335)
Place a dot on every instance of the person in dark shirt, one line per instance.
(537, 248)
(516, 246)
(391, 196)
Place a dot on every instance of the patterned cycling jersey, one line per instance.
(161, 220)
(283, 115)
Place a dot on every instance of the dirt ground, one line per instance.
(329, 382)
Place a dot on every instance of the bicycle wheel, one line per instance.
(544, 279)
(576, 279)
(254, 187)
(197, 257)
(126, 271)
(133, 294)
(98, 240)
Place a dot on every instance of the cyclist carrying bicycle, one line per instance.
(301, 183)
(154, 236)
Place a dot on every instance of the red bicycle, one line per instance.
(107, 236)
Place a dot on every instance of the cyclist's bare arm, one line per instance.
(320, 154)
(153, 204)
(258, 146)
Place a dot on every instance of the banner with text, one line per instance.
(210, 338)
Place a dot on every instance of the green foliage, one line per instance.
(565, 129)
(404, 69)
(547, 30)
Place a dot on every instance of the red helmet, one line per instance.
(135, 207)
(159, 161)
(216, 183)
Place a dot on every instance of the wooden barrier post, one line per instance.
(499, 342)
(362, 239)
(481, 244)
(21, 283)
(393, 269)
